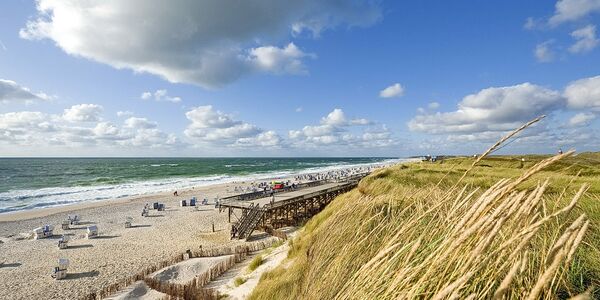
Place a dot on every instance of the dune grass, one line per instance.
(255, 263)
(239, 281)
(510, 229)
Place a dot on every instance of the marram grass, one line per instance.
(507, 230)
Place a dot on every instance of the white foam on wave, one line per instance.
(57, 196)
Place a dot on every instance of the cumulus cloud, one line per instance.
(125, 113)
(208, 43)
(214, 127)
(543, 53)
(492, 109)
(279, 60)
(83, 113)
(584, 93)
(392, 91)
(586, 39)
(160, 96)
(571, 10)
(264, 139)
(10, 91)
(487, 115)
(581, 119)
(336, 130)
(139, 123)
(80, 129)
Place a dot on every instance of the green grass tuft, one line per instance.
(255, 263)
(239, 281)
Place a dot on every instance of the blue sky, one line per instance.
(312, 78)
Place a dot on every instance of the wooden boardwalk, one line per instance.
(287, 208)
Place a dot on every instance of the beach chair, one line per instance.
(145, 211)
(38, 233)
(193, 201)
(74, 219)
(65, 224)
(62, 242)
(43, 232)
(155, 205)
(60, 272)
(92, 232)
(161, 207)
(183, 203)
(128, 222)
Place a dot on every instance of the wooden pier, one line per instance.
(291, 207)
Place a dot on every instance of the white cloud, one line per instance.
(214, 127)
(125, 113)
(299, 109)
(33, 131)
(571, 10)
(205, 117)
(139, 123)
(433, 105)
(531, 24)
(543, 53)
(279, 60)
(392, 91)
(335, 130)
(264, 139)
(492, 109)
(160, 96)
(584, 93)
(10, 91)
(581, 119)
(208, 43)
(336, 117)
(585, 39)
(83, 113)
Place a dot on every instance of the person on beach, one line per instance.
(175, 193)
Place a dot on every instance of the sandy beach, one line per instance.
(118, 253)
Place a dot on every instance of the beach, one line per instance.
(118, 252)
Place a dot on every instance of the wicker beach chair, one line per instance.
(92, 232)
(62, 242)
(60, 272)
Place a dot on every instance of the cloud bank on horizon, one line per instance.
(182, 55)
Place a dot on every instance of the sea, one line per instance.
(33, 183)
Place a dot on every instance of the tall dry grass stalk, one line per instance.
(437, 242)
(484, 246)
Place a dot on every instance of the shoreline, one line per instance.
(27, 214)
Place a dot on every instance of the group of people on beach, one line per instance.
(267, 187)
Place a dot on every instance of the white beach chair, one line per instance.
(128, 221)
(43, 232)
(62, 242)
(60, 272)
(38, 233)
(92, 232)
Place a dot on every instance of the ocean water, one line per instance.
(29, 183)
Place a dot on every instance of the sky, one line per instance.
(297, 78)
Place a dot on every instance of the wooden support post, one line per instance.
(230, 214)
